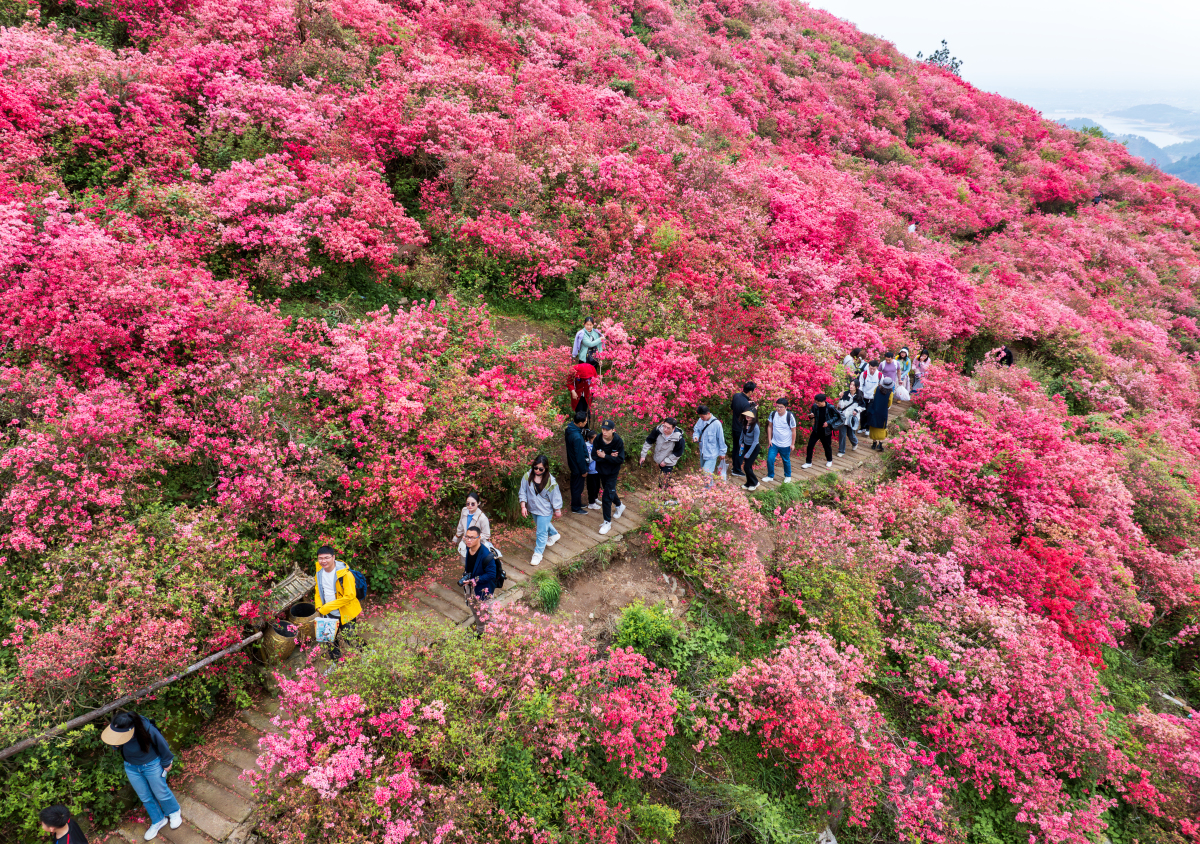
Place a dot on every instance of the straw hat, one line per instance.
(115, 738)
(749, 413)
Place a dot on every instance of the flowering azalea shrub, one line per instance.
(514, 735)
(709, 534)
(241, 250)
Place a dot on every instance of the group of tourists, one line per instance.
(594, 461)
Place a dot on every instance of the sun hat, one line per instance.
(749, 413)
(116, 737)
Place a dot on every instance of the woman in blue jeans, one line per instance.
(542, 499)
(147, 758)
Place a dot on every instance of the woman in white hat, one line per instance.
(147, 758)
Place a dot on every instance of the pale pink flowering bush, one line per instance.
(710, 535)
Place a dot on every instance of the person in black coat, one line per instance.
(57, 821)
(741, 403)
(609, 450)
(479, 565)
(824, 418)
(577, 460)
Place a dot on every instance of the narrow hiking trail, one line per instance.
(218, 804)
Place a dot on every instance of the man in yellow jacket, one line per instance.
(336, 595)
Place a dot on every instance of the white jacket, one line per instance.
(868, 382)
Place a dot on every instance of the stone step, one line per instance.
(201, 816)
(248, 738)
(241, 759)
(267, 705)
(225, 803)
(449, 595)
(229, 777)
(258, 720)
(186, 834)
(455, 614)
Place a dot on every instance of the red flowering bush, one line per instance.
(734, 191)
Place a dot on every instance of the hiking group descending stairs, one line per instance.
(217, 803)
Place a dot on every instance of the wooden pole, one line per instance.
(117, 704)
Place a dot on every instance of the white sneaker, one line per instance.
(535, 559)
(828, 464)
(620, 509)
(750, 488)
(553, 539)
(806, 466)
(787, 480)
(152, 832)
(595, 505)
(765, 481)
(175, 819)
(855, 447)
(606, 527)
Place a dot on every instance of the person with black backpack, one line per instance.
(781, 439)
(825, 418)
(480, 573)
(336, 594)
(147, 758)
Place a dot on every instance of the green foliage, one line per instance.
(547, 591)
(655, 822)
(650, 631)
(843, 599)
(826, 489)
(665, 236)
(77, 770)
(735, 28)
(223, 147)
(625, 86)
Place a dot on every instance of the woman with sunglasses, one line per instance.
(541, 498)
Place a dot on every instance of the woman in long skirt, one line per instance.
(877, 413)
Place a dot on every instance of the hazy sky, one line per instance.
(1015, 47)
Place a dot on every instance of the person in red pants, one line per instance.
(580, 382)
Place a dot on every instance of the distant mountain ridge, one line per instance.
(1181, 160)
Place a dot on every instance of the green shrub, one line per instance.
(547, 591)
(648, 630)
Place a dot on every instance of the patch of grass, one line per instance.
(593, 560)
(547, 591)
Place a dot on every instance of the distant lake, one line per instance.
(1155, 133)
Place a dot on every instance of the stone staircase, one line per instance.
(217, 803)
(580, 534)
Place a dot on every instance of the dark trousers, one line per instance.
(578, 482)
(748, 466)
(347, 629)
(825, 436)
(736, 461)
(593, 488)
(610, 495)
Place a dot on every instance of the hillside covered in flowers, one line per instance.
(250, 254)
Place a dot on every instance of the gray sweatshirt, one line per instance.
(542, 503)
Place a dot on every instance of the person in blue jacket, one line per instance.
(479, 573)
(147, 758)
(479, 565)
(577, 460)
(709, 434)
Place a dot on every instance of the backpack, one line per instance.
(360, 584)
(501, 575)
